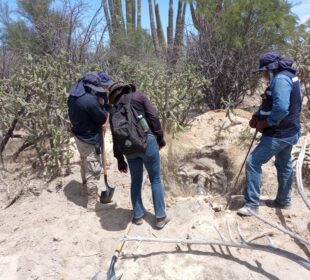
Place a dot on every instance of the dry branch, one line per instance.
(230, 242)
(299, 173)
(240, 244)
(15, 198)
(290, 233)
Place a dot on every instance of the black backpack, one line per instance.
(128, 133)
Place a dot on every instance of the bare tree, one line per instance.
(89, 33)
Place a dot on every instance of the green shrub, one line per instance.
(36, 96)
(177, 95)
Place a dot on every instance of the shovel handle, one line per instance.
(103, 153)
(120, 245)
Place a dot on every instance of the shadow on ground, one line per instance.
(73, 193)
(258, 268)
(112, 217)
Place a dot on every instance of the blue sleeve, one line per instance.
(281, 91)
(96, 111)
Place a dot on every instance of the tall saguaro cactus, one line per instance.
(133, 13)
(129, 14)
(107, 17)
(139, 13)
(153, 28)
(160, 32)
(170, 25)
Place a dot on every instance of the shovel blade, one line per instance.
(106, 196)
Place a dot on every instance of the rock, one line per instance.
(57, 239)
(217, 208)
(34, 188)
(236, 202)
(201, 190)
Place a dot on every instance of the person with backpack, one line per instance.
(87, 113)
(278, 119)
(137, 135)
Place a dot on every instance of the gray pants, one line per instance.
(91, 167)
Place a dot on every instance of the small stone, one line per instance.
(57, 239)
(216, 208)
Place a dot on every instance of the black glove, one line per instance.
(107, 107)
(122, 165)
(161, 143)
(253, 121)
(261, 125)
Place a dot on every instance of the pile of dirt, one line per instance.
(207, 157)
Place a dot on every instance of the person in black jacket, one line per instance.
(150, 158)
(87, 113)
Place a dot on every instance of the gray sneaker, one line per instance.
(137, 221)
(244, 211)
(161, 222)
(276, 204)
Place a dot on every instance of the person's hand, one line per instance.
(253, 121)
(122, 166)
(161, 144)
(261, 125)
(100, 100)
(104, 127)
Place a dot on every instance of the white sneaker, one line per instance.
(244, 211)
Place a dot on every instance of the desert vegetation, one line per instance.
(204, 62)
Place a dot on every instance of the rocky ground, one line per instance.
(48, 233)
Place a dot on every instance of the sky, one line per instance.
(300, 7)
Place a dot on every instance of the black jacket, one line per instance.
(87, 116)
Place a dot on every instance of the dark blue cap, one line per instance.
(105, 79)
(92, 80)
(269, 61)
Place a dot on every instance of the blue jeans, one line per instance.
(264, 151)
(151, 159)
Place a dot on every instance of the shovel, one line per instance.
(105, 196)
(119, 247)
(111, 275)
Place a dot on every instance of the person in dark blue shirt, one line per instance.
(87, 112)
(278, 119)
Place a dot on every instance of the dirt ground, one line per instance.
(52, 236)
